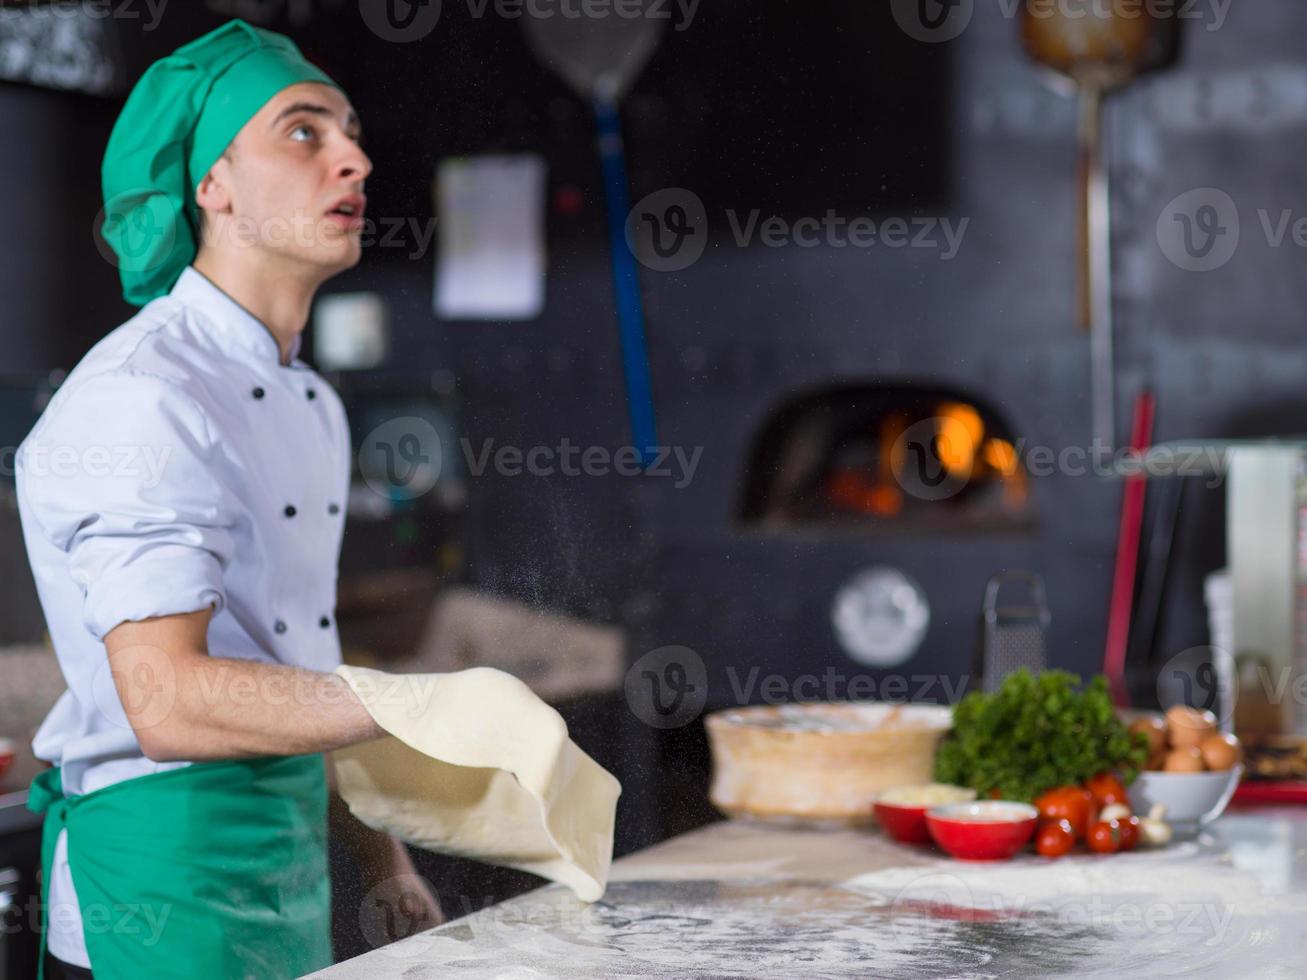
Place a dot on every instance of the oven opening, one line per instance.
(893, 457)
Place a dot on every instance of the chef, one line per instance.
(182, 501)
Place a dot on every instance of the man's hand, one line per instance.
(397, 901)
(398, 906)
(184, 704)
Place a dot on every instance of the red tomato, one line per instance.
(1129, 833)
(1107, 789)
(1054, 838)
(1105, 837)
(1070, 803)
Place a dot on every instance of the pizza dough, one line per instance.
(477, 765)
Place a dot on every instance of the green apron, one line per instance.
(214, 870)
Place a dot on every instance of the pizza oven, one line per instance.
(877, 458)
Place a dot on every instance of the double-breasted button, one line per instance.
(324, 622)
(333, 508)
(311, 393)
(279, 626)
(290, 510)
(258, 392)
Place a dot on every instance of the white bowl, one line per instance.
(1192, 799)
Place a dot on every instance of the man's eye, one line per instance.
(302, 129)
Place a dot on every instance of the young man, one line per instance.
(183, 500)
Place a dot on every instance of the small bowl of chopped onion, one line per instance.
(901, 811)
(987, 830)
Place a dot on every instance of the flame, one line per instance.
(960, 433)
(961, 447)
(1001, 456)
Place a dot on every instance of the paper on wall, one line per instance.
(491, 213)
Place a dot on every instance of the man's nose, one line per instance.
(354, 164)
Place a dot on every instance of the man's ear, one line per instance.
(213, 194)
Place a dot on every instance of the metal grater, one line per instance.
(1014, 634)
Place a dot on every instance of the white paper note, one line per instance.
(491, 212)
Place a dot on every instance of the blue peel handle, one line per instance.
(626, 284)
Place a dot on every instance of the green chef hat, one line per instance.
(176, 123)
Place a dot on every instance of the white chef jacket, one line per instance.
(180, 465)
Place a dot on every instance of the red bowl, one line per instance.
(986, 830)
(7, 752)
(906, 824)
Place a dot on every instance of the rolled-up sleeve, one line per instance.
(118, 476)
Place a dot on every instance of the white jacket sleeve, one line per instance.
(117, 476)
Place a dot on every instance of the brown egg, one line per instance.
(1221, 752)
(1155, 729)
(1157, 761)
(1184, 760)
(1187, 727)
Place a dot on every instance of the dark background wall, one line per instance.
(789, 109)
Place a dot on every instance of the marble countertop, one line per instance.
(748, 900)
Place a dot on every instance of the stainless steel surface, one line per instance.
(14, 815)
(1265, 551)
(744, 900)
(1099, 286)
(8, 909)
(1015, 636)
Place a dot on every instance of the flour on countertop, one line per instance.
(878, 925)
(1181, 871)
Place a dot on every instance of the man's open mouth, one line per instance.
(349, 210)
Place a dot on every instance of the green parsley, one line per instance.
(1037, 733)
